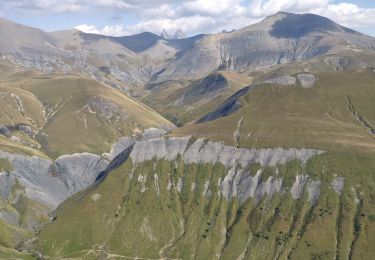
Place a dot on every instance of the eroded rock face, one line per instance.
(78, 171)
(118, 147)
(125, 142)
(106, 108)
(201, 151)
(7, 181)
(35, 175)
(283, 80)
(242, 185)
(307, 80)
(298, 186)
(338, 185)
(25, 129)
(10, 218)
(5, 131)
(239, 182)
(50, 183)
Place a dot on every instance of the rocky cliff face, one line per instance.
(46, 184)
(50, 183)
(202, 193)
(238, 182)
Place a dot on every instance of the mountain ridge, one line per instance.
(255, 46)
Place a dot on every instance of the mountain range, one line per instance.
(252, 144)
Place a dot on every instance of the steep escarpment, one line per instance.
(185, 198)
(31, 187)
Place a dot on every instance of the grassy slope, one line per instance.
(68, 125)
(67, 131)
(295, 117)
(128, 223)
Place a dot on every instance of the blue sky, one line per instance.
(125, 17)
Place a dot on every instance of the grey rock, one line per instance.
(160, 148)
(206, 190)
(283, 80)
(338, 184)
(297, 188)
(313, 191)
(25, 129)
(35, 175)
(11, 218)
(5, 131)
(307, 80)
(238, 182)
(242, 185)
(126, 142)
(106, 108)
(118, 147)
(179, 185)
(47, 183)
(96, 197)
(152, 132)
(211, 152)
(7, 181)
(78, 171)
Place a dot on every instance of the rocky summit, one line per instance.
(256, 143)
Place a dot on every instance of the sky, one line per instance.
(127, 17)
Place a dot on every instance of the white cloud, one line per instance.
(348, 14)
(55, 6)
(194, 16)
(212, 7)
(261, 8)
(155, 25)
(163, 11)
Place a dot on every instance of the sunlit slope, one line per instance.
(273, 115)
(187, 100)
(67, 114)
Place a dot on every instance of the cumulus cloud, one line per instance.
(348, 14)
(154, 25)
(214, 7)
(34, 6)
(195, 16)
(263, 8)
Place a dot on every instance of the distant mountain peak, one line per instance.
(165, 35)
(179, 34)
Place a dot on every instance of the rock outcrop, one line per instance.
(201, 151)
(78, 171)
(338, 185)
(283, 80)
(307, 80)
(50, 183)
(239, 182)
